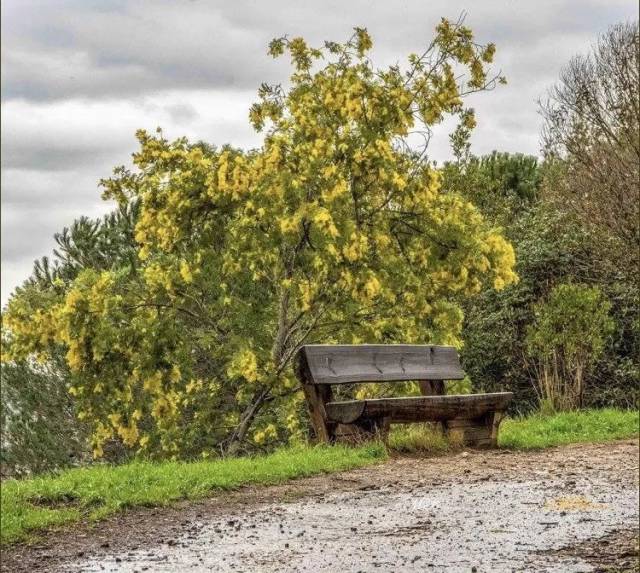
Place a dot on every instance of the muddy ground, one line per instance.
(569, 509)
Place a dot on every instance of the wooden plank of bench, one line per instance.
(346, 363)
(418, 408)
(478, 432)
(432, 387)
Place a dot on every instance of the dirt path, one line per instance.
(568, 509)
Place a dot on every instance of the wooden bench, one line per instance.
(471, 419)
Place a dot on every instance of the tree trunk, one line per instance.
(261, 396)
(248, 416)
(277, 349)
(433, 388)
(579, 385)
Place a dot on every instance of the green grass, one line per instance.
(542, 431)
(534, 431)
(419, 439)
(98, 491)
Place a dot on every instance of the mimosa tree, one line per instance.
(334, 230)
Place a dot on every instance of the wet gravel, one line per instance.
(559, 510)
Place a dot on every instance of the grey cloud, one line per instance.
(35, 205)
(113, 49)
(28, 234)
(143, 47)
(67, 136)
(22, 153)
(79, 76)
(27, 192)
(181, 112)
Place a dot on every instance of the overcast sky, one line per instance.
(80, 76)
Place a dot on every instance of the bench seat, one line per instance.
(417, 408)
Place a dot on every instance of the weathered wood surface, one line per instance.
(478, 432)
(471, 419)
(317, 396)
(346, 364)
(418, 408)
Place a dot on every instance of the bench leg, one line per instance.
(479, 432)
(317, 397)
(496, 418)
(433, 388)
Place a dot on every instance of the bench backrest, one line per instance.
(346, 363)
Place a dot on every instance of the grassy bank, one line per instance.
(542, 431)
(99, 491)
(96, 492)
(530, 432)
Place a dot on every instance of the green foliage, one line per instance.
(102, 490)
(542, 431)
(616, 376)
(501, 185)
(464, 386)
(40, 428)
(552, 248)
(333, 230)
(566, 338)
(105, 243)
(574, 320)
(493, 353)
(40, 431)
